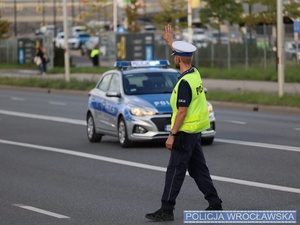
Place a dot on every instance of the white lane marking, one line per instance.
(297, 129)
(59, 216)
(149, 167)
(41, 117)
(83, 122)
(57, 103)
(260, 145)
(235, 122)
(17, 98)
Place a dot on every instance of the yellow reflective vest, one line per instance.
(94, 52)
(197, 118)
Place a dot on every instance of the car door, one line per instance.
(111, 104)
(98, 100)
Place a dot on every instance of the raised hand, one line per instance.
(168, 35)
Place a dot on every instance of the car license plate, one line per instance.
(167, 127)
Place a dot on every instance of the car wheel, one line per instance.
(91, 131)
(122, 134)
(207, 141)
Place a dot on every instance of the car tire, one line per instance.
(91, 131)
(122, 134)
(207, 141)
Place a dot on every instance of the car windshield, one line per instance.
(149, 82)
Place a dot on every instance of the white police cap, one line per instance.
(183, 48)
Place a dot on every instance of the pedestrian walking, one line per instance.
(189, 118)
(41, 59)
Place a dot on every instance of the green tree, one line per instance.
(292, 9)
(95, 10)
(269, 13)
(131, 14)
(172, 12)
(250, 18)
(218, 12)
(4, 26)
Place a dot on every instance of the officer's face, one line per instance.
(176, 61)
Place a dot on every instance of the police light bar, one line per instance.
(142, 63)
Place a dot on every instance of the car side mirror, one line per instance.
(205, 90)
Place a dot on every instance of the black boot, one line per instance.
(215, 207)
(161, 215)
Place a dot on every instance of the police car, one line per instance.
(132, 103)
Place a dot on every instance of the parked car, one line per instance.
(88, 46)
(149, 27)
(216, 36)
(76, 30)
(292, 52)
(197, 34)
(202, 43)
(59, 41)
(83, 38)
(47, 29)
(131, 102)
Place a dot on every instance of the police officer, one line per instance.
(189, 118)
(95, 55)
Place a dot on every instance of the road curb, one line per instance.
(256, 107)
(216, 104)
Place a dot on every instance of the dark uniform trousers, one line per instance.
(186, 155)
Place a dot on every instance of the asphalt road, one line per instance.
(51, 174)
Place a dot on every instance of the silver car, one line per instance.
(292, 51)
(132, 103)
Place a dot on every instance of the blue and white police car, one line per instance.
(132, 102)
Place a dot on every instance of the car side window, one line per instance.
(114, 83)
(104, 83)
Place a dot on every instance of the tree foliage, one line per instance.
(172, 12)
(292, 9)
(131, 13)
(4, 26)
(269, 14)
(218, 12)
(94, 10)
(250, 18)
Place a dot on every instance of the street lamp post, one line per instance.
(15, 18)
(280, 58)
(189, 12)
(54, 16)
(66, 55)
(43, 11)
(115, 15)
(73, 12)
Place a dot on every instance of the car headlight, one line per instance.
(138, 111)
(210, 108)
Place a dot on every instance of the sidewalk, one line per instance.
(210, 84)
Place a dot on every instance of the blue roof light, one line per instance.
(142, 63)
